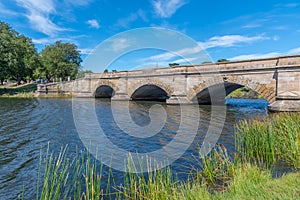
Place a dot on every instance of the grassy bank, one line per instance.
(244, 93)
(26, 91)
(260, 144)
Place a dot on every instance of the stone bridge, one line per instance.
(275, 79)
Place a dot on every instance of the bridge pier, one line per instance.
(178, 99)
(120, 97)
(286, 102)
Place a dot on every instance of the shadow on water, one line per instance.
(26, 125)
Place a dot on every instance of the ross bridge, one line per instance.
(275, 79)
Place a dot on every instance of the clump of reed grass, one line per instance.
(273, 140)
(64, 178)
(217, 168)
(154, 184)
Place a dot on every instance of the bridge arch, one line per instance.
(104, 89)
(202, 93)
(150, 90)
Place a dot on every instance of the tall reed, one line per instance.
(276, 139)
(273, 140)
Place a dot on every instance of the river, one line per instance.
(27, 125)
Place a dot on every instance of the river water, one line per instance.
(27, 125)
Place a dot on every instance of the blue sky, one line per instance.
(233, 30)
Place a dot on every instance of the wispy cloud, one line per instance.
(197, 53)
(288, 5)
(166, 8)
(266, 55)
(255, 56)
(93, 23)
(125, 22)
(252, 25)
(78, 2)
(294, 51)
(38, 14)
(86, 51)
(118, 44)
(51, 40)
(6, 11)
(230, 40)
(185, 60)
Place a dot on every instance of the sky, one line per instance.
(234, 30)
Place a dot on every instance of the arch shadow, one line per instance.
(216, 91)
(104, 91)
(149, 92)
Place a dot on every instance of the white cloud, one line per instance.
(166, 8)
(276, 38)
(288, 5)
(93, 23)
(6, 11)
(125, 22)
(198, 52)
(185, 60)
(78, 2)
(38, 14)
(86, 51)
(230, 40)
(266, 55)
(294, 51)
(252, 25)
(118, 44)
(255, 56)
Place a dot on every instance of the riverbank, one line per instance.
(28, 91)
(23, 91)
(265, 144)
(244, 92)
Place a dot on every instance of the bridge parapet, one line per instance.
(222, 67)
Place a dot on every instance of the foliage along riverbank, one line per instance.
(245, 93)
(247, 175)
(26, 91)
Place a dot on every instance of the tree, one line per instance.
(82, 73)
(206, 62)
(60, 60)
(223, 60)
(173, 64)
(18, 56)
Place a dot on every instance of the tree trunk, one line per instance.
(18, 80)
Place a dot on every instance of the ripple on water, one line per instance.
(28, 124)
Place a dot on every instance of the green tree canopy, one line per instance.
(18, 56)
(60, 60)
(223, 60)
(82, 73)
(173, 64)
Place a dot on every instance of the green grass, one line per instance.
(26, 91)
(274, 140)
(81, 178)
(244, 92)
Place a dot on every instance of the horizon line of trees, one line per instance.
(20, 61)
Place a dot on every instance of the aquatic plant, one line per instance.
(273, 140)
(217, 168)
(269, 141)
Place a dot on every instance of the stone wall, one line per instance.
(270, 77)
